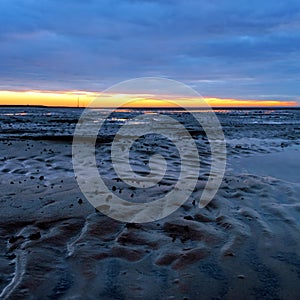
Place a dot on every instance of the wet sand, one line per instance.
(55, 245)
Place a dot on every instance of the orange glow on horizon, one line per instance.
(47, 98)
(223, 102)
(70, 98)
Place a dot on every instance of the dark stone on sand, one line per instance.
(13, 239)
(41, 178)
(133, 225)
(114, 188)
(11, 256)
(35, 236)
(80, 201)
(229, 253)
(188, 218)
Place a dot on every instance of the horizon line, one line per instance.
(150, 108)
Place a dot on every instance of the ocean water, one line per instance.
(27, 122)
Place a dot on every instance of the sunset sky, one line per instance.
(234, 53)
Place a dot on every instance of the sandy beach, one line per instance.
(243, 245)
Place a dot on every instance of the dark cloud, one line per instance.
(222, 48)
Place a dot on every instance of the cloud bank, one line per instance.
(234, 48)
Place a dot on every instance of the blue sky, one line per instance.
(233, 48)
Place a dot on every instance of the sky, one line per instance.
(233, 49)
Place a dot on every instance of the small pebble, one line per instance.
(133, 225)
(229, 253)
(11, 256)
(35, 236)
(13, 239)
